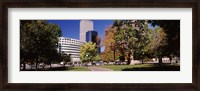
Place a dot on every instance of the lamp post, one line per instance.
(86, 55)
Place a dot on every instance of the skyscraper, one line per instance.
(85, 25)
(92, 36)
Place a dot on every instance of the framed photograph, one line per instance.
(100, 45)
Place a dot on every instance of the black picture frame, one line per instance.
(194, 4)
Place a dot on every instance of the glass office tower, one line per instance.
(85, 26)
(92, 36)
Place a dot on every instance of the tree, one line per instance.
(130, 35)
(66, 58)
(172, 30)
(157, 42)
(88, 51)
(142, 50)
(98, 57)
(51, 57)
(26, 43)
(37, 37)
(111, 49)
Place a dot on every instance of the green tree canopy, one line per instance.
(88, 51)
(98, 57)
(172, 30)
(157, 38)
(38, 41)
(131, 35)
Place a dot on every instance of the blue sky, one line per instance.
(71, 28)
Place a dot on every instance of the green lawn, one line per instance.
(138, 67)
(143, 67)
(120, 67)
(78, 69)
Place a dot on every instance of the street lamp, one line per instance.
(86, 55)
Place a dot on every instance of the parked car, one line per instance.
(89, 64)
(124, 63)
(62, 63)
(42, 65)
(69, 64)
(98, 63)
(111, 62)
(105, 63)
(77, 63)
(118, 62)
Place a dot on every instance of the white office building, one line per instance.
(85, 26)
(70, 46)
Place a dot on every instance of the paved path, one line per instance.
(98, 69)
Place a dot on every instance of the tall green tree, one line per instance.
(157, 43)
(130, 36)
(172, 30)
(38, 40)
(88, 51)
(142, 49)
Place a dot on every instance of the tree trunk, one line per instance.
(31, 65)
(170, 59)
(36, 66)
(43, 65)
(129, 59)
(49, 62)
(132, 58)
(50, 65)
(142, 61)
(160, 60)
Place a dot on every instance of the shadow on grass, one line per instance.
(155, 67)
(70, 68)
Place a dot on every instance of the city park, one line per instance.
(129, 46)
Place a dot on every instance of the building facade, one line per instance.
(70, 46)
(92, 36)
(85, 25)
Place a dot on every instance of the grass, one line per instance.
(120, 67)
(78, 69)
(138, 67)
(143, 67)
